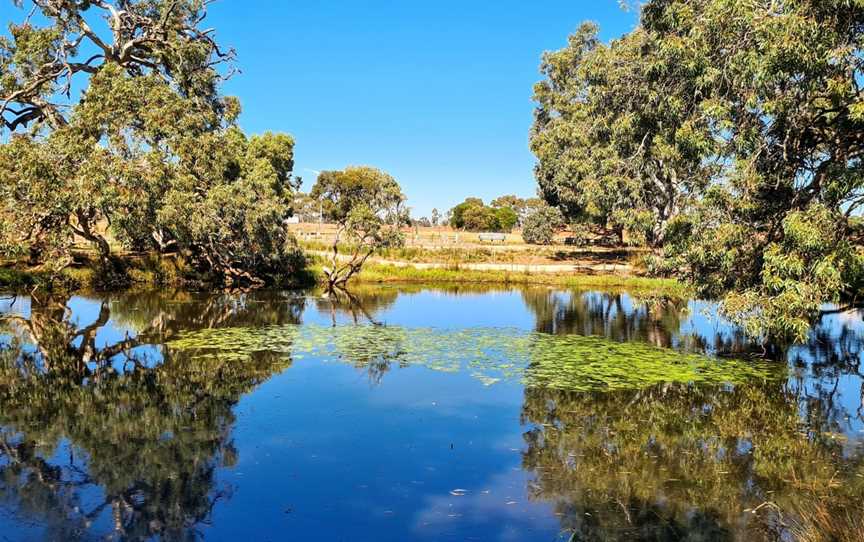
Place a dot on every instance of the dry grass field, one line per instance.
(443, 245)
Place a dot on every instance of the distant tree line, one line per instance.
(501, 215)
(728, 136)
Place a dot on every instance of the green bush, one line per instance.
(541, 225)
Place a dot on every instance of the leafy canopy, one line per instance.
(368, 207)
(474, 215)
(146, 153)
(729, 134)
(614, 143)
(541, 225)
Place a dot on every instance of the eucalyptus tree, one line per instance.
(368, 208)
(540, 226)
(778, 234)
(119, 123)
(730, 135)
(615, 146)
(226, 212)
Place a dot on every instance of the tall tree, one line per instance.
(729, 133)
(148, 133)
(615, 146)
(776, 234)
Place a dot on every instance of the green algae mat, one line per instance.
(566, 362)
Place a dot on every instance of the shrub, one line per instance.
(540, 226)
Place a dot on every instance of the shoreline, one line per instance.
(82, 278)
(389, 274)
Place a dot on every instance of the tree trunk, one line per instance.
(84, 230)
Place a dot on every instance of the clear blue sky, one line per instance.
(436, 93)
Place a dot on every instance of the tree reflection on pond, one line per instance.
(122, 438)
(714, 463)
(116, 421)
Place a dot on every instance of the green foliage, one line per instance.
(522, 207)
(775, 237)
(457, 214)
(479, 218)
(150, 150)
(233, 225)
(728, 134)
(506, 218)
(513, 202)
(355, 187)
(368, 207)
(473, 215)
(614, 146)
(811, 264)
(541, 225)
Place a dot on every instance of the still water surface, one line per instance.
(421, 414)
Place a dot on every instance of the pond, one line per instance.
(422, 413)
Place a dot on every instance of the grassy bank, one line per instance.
(163, 272)
(26, 280)
(126, 271)
(392, 274)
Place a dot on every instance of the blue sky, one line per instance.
(436, 93)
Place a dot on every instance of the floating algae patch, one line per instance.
(569, 362)
(580, 363)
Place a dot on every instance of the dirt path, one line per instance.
(576, 267)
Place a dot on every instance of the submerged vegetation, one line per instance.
(568, 362)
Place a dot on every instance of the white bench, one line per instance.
(492, 237)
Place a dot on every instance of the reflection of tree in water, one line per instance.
(623, 317)
(683, 462)
(81, 419)
(364, 302)
(823, 365)
(359, 305)
(612, 315)
(161, 317)
(828, 366)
